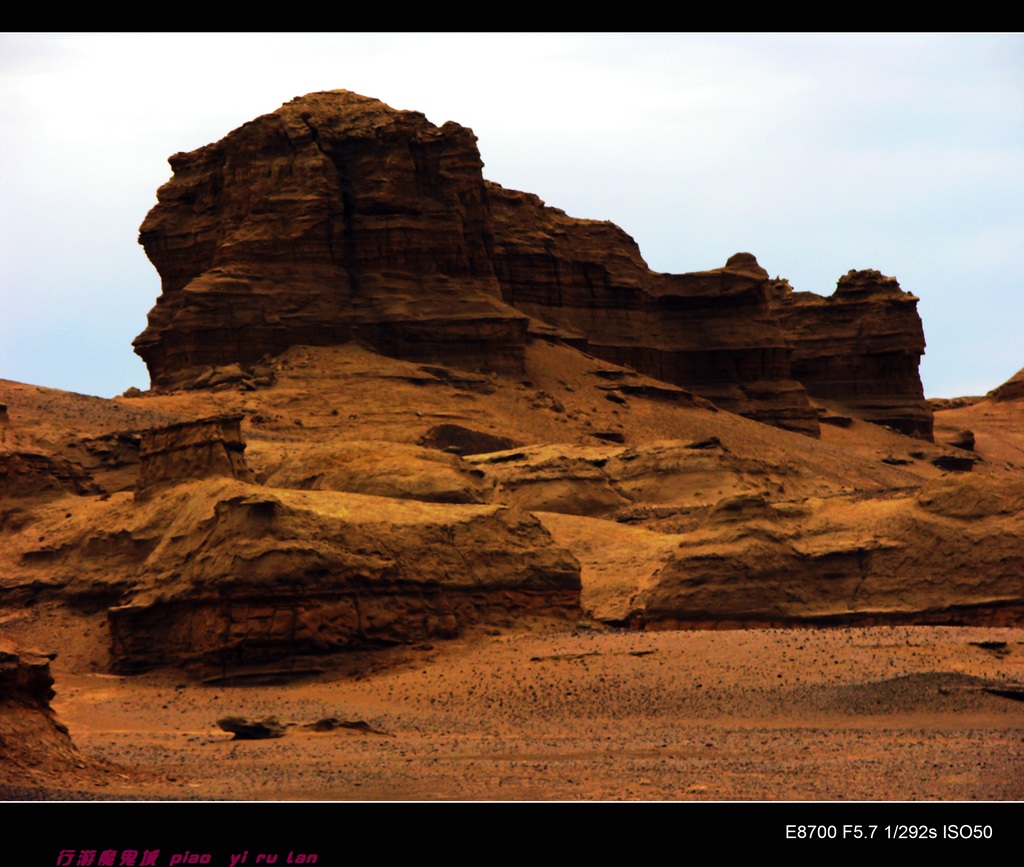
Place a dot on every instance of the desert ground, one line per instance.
(563, 712)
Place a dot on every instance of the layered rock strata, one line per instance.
(338, 218)
(711, 331)
(219, 572)
(860, 347)
(950, 553)
(335, 217)
(268, 575)
(200, 449)
(947, 553)
(34, 476)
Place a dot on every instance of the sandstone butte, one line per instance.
(393, 403)
(338, 218)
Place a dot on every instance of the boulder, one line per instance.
(251, 730)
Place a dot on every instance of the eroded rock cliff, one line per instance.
(256, 575)
(860, 347)
(337, 218)
(334, 217)
(711, 331)
(200, 449)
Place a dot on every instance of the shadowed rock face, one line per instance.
(862, 347)
(31, 476)
(334, 217)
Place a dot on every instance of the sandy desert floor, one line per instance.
(555, 712)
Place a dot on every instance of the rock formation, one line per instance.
(32, 742)
(861, 348)
(33, 476)
(338, 218)
(710, 331)
(953, 547)
(454, 395)
(222, 573)
(333, 218)
(1012, 389)
(199, 449)
(243, 575)
(358, 535)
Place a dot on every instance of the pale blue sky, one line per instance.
(817, 153)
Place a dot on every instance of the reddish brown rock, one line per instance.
(332, 218)
(242, 575)
(861, 347)
(32, 476)
(189, 450)
(33, 744)
(339, 218)
(112, 459)
(948, 553)
(1012, 389)
(381, 469)
(713, 331)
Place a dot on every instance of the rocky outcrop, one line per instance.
(200, 449)
(948, 553)
(1012, 389)
(112, 459)
(36, 476)
(243, 575)
(32, 742)
(861, 347)
(338, 218)
(25, 676)
(381, 469)
(711, 331)
(458, 440)
(335, 217)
